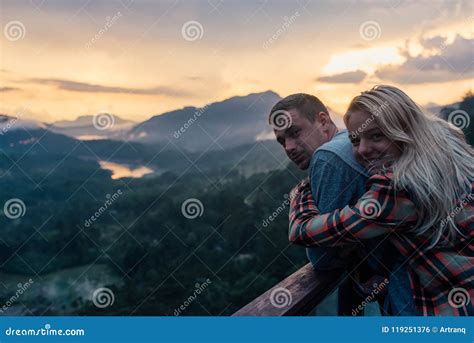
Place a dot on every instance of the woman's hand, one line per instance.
(303, 187)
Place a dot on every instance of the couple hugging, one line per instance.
(389, 198)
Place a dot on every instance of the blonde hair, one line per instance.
(436, 165)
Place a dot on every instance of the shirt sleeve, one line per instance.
(334, 183)
(379, 211)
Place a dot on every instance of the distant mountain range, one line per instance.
(83, 128)
(226, 124)
(220, 125)
(233, 133)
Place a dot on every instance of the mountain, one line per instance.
(437, 109)
(228, 136)
(226, 124)
(9, 123)
(45, 144)
(221, 125)
(40, 145)
(83, 127)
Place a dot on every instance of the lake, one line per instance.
(124, 170)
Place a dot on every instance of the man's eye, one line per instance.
(295, 133)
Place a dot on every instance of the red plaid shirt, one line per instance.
(442, 278)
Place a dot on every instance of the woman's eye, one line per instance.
(377, 136)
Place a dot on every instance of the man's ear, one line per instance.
(323, 118)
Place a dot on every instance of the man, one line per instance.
(303, 126)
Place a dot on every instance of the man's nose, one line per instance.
(290, 145)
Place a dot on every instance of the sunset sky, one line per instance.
(62, 59)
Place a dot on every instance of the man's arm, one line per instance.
(334, 185)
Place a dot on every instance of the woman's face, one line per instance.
(370, 146)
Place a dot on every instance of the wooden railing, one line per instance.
(299, 294)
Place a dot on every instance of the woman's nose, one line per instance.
(364, 148)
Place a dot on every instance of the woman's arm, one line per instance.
(380, 211)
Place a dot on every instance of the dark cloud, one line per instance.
(195, 78)
(93, 88)
(433, 43)
(348, 77)
(7, 89)
(440, 62)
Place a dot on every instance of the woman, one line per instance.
(420, 197)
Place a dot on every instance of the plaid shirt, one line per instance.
(441, 278)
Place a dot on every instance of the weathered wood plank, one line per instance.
(297, 295)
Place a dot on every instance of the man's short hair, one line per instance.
(306, 104)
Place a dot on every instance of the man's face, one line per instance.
(301, 139)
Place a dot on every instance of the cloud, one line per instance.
(7, 89)
(439, 62)
(195, 78)
(93, 88)
(433, 42)
(347, 77)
